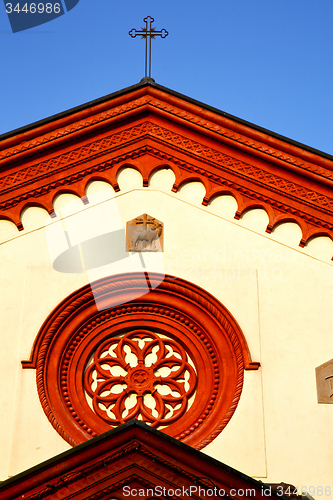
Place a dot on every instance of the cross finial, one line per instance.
(148, 32)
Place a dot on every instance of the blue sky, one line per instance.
(266, 61)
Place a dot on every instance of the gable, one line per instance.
(205, 176)
(148, 127)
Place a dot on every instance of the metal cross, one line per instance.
(148, 32)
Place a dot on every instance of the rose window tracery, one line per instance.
(173, 357)
(140, 375)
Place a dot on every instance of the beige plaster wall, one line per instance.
(280, 294)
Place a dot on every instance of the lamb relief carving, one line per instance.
(144, 234)
(324, 378)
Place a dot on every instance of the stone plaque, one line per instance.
(324, 378)
(144, 234)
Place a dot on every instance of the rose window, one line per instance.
(173, 358)
(140, 375)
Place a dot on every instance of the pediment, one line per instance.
(148, 127)
(131, 461)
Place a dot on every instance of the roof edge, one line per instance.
(146, 82)
(132, 424)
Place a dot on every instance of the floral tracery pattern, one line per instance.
(140, 375)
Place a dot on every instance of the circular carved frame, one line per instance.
(188, 330)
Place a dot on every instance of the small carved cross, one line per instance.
(148, 32)
(144, 220)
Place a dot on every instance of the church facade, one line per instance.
(165, 262)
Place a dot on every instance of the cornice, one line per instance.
(266, 150)
(71, 128)
(228, 157)
(192, 115)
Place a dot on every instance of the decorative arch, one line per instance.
(285, 178)
(182, 338)
(216, 193)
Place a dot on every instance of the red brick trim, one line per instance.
(228, 157)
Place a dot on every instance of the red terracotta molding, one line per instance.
(260, 170)
(182, 315)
